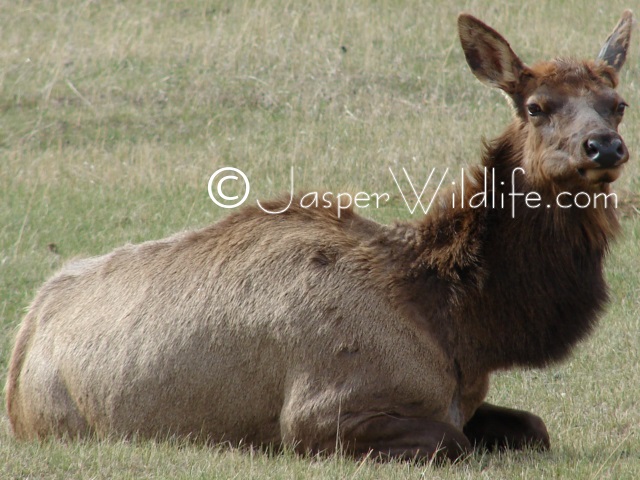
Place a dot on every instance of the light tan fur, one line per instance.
(222, 332)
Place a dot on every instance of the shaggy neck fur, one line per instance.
(523, 288)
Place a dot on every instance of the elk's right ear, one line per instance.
(489, 55)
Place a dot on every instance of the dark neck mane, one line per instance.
(526, 283)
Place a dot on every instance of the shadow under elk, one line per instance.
(319, 330)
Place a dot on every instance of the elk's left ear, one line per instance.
(489, 55)
(614, 50)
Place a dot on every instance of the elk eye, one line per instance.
(534, 109)
(621, 108)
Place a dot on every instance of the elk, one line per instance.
(325, 331)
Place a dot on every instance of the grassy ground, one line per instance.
(113, 115)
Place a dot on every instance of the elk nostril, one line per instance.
(618, 146)
(592, 148)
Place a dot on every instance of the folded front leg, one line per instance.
(499, 427)
(409, 438)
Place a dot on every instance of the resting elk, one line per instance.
(318, 330)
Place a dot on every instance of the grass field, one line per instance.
(113, 116)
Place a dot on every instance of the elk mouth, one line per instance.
(601, 174)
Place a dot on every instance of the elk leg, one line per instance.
(386, 436)
(505, 428)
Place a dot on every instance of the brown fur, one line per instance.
(309, 327)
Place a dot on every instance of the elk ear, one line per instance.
(614, 50)
(489, 55)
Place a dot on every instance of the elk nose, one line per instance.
(607, 151)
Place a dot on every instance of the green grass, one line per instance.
(113, 115)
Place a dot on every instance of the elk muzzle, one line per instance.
(607, 153)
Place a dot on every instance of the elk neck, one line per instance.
(522, 284)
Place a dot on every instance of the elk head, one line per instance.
(567, 111)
